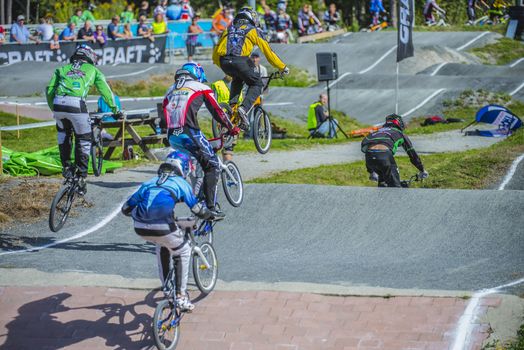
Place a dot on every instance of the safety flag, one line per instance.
(406, 16)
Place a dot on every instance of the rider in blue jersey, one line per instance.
(152, 209)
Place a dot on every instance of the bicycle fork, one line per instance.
(228, 172)
(201, 255)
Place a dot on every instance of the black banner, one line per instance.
(406, 13)
(113, 52)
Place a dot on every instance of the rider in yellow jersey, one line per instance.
(232, 55)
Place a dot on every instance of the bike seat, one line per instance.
(186, 222)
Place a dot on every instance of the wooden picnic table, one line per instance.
(132, 120)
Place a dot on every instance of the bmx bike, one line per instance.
(259, 122)
(167, 316)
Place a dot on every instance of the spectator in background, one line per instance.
(375, 8)
(77, 18)
(187, 11)
(192, 37)
(284, 23)
(308, 23)
(159, 25)
(470, 6)
(100, 36)
(86, 32)
(45, 30)
(270, 18)
(68, 34)
(160, 8)
(255, 57)
(318, 122)
(19, 32)
(428, 11)
(219, 24)
(144, 9)
(87, 15)
(127, 31)
(2, 35)
(282, 4)
(113, 30)
(174, 10)
(54, 43)
(144, 30)
(127, 16)
(332, 18)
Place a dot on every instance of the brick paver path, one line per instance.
(100, 318)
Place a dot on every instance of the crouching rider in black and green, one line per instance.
(380, 148)
(66, 94)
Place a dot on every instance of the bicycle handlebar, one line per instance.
(274, 75)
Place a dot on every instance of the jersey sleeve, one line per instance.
(189, 196)
(104, 90)
(413, 156)
(272, 57)
(51, 88)
(212, 106)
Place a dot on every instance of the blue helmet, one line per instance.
(194, 70)
(176, 163)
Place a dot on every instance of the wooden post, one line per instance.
(9, 11)
(1, 160)
(2, 12)
(123, 135)
(17, 121)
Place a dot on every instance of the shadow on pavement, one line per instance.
(114, 184)
(11, 242)
(48, 323)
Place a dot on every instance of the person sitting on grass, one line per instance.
(318, 122)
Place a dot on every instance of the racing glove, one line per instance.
(423, 175)
(285, 71)
(126, 209)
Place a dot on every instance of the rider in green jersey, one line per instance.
(66, 95)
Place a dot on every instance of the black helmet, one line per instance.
(248, 14)
(396, 120)
(84, 53)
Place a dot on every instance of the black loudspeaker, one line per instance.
(327, 66)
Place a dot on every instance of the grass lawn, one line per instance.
(515, 344)
(297, 77)
(502, 52)
(473, 169)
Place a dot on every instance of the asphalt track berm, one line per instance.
(392, 238)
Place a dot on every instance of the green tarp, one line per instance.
(44, 162)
